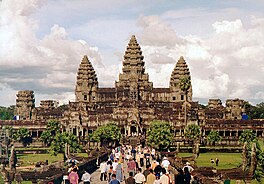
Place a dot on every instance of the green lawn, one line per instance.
(226, 160)
(32, 159)
(85, 155)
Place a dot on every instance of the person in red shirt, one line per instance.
(131, 166)
(73, 177)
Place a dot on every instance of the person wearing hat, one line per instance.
(188, 165)
(165, 163)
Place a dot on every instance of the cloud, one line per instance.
(43, 54)
(226, 64)
(47, 65)
(156, 32)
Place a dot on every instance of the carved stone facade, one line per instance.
(234, 108)
(25, 103)
(133, 103)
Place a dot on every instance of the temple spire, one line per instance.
(87, 82)
(133, 74)
(180, 71)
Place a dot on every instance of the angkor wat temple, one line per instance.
(133, 103)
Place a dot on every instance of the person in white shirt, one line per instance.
(86, 178)
(115, 163)
(103, 169)
(139, 177)
(165, 163)
(188, 165)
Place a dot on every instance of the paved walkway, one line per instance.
(96, 176)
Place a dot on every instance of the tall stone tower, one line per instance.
(25, 103)
(87, 84)
(180, 71)
(133, 84)
(234, 108)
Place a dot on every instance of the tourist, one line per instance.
(195, 180)
(133, 151)
(72, 167)
(216, 161)
(131, 166)
(73, 176)
(119, 172)
(103, 171)
(164, 179)
(153, 152)
(154, 164)
(146, 172)
(179, 179)
(158, 169)
(114, 180)
(187, 175)
(130, 179)
(151, 177)
(139, 177)
(165, 163)
(112, 157)
(110, 172)
(190, 168)
(212, 161)
(86, 178)
(114, 165)
(157, 180)
(141, 159)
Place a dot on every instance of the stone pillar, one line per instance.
(125, 130)
(137, 130)
(77, 131)
(244, 156)
(129, 130)
(253, 163)
(178, 147)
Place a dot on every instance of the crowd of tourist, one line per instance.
(141, 165)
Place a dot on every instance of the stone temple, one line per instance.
(133, 103)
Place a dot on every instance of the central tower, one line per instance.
(133, 84)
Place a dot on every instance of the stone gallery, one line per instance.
(133, 103)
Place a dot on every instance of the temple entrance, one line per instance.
(133, 130)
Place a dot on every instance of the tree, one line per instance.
(52, 129)
(254, 112)
(192, 133)
(59, 141)
(107, 133)
(7, 113)
(159, 135)
(185, 84)
(213, 137)
(247, 136)
(23, 135)
(10, 130)
(252, 158)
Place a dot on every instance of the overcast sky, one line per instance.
(42, 43)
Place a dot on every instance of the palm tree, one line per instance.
(185, 84)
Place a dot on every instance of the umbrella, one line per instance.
(72, 160)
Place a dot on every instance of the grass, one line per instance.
(85, 155)
(32, 159)
(226, 160)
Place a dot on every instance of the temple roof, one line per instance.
(86, 72)
(180, 71)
